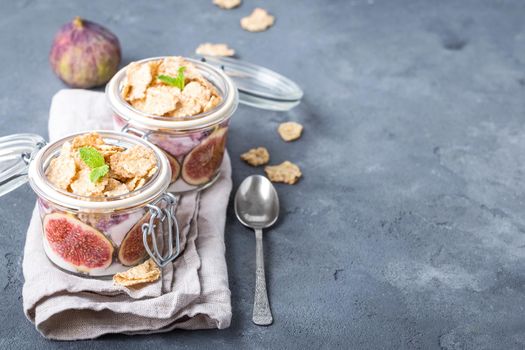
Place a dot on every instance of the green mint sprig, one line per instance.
(177, 81)
(95, 161)
(98, 172)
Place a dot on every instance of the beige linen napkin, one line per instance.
(193, 293)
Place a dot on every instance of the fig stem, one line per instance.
(77, 22)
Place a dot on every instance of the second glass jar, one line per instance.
(195, 145)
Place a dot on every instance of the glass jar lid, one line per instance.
(258, 86)
(16, 152)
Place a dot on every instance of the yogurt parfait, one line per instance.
(181, 105)
(103, 203)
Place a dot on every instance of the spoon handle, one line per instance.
(262, 315)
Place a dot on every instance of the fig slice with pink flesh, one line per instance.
(201, 164)
(175, 166)
(78, 244)
(132, 249)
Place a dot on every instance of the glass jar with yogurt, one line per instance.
(89, 231)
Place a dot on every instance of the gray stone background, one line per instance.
(408, 228)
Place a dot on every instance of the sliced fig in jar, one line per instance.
(132, 249)
(175, 167)
(201, 164)
(77, 243)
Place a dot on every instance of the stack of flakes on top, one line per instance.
(143, 89)
(129, 169)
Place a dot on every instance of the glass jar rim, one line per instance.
(153, 189)
(225, 109)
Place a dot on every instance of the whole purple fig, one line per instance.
(84, 54)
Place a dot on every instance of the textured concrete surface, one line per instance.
(407, 230)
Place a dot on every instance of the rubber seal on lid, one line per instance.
(258, 86)
(16, 152)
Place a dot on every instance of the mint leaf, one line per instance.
(95, 161)
(98, 172)
(177, 81)
(91, 157)
(168, 80)
(180, 78)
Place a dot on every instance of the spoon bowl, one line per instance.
(256, 202)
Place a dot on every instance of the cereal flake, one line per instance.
(146, 272)
(256, 156)
(84, 187)
(290, 131)
(227, 4)
(258, 21)
(62, 169)
(138, 78)
(286, 172)
(209, 49)
(170, 66)
(115, 188)
(136, 161)
(108, 150)
(161, 99)
(135, 183)
(92, 139)
(197, 91)
(212, 103)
